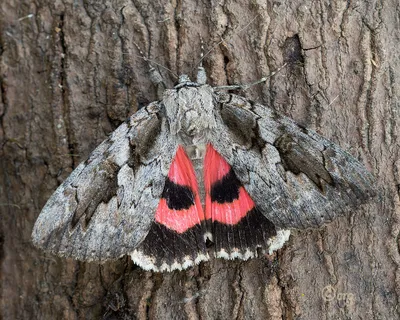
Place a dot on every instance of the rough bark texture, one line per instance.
(70, 73)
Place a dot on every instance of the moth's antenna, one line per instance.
(201, 72)
(248, 85)
(224, 40)
(149, 61)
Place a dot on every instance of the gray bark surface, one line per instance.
(71, 73)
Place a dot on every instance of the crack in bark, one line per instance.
(5, 108)
(237, 311)
(64, 94)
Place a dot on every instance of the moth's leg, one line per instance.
(158, 81)
(248, 85)
(155, 75)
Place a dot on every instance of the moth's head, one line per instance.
(189, 109)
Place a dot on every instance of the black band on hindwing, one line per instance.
(178, 197)
(226, 189)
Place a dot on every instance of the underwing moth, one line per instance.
(201, 173)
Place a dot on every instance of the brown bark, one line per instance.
(71, 72)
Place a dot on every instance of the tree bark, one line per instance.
(71, 72)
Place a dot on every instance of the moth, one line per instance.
(200, 173)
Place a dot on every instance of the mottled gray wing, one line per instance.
(297, 178)
(104, 209)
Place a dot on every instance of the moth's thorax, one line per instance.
(196, 152)
(190, 113)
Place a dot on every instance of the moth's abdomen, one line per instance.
(196, 154)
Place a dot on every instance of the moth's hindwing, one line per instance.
(238, 227)
(105, 208)
(176, 237)
(297, 178)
